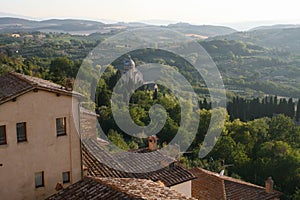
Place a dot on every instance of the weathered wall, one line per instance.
(184, 188)
(43, 151)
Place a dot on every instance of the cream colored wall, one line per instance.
(43, 151)
(184, 188)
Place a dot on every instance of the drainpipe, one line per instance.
(80, 140)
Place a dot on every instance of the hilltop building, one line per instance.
(130, 71)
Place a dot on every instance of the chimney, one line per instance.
(152, 143)
(269, 185)
(69, 84)
(85, 170)
(59, 186)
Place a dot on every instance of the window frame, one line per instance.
(69, 177)
(21, 139)
(61, 131)
(43, 180)
(4, 141)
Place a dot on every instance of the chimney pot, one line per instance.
(85, 170)
(59, 186)
(152, 143)
(69, 85)
(269, 185)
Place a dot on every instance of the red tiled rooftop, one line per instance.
(210, 185)
(117, 188)
(13, 85)
(94, 157)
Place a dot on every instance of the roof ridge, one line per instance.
(229, 178)
(28, 78)
(19, 76)
(114, 186)
(38, 83)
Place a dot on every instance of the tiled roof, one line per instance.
(116, 188)
(146, 189)
(94, 157)
(14, 84)
(210, 185)
(89, 188)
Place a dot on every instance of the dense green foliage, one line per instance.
(254, 142)
(266, 145)
(249, 69)
(246, 68)
(249, 109)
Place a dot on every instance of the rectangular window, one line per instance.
(66, 177)
(61, 126)
(39, 179)
(21, 132)
(2, 134)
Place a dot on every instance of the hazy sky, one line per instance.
(193, 11)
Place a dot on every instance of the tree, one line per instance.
(298, 111)
(117, 140)
(291, 108)
(281, 127)
(279, 159)
(296, 195)
(60, 68)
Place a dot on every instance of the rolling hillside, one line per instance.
(283, 38)
(73, 26)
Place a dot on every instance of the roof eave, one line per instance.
(15, 96)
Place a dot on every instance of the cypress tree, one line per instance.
(298, 111)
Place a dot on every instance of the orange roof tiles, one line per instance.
(95, 156)
(13, 85)
(117, 188)
(210, 185)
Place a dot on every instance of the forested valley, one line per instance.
(261, 136)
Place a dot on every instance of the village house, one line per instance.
(39, 144)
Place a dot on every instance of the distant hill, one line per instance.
(9, 24)
(202, 30)
(132, 24)
(283, 38)
(75, 26)
(276, 26)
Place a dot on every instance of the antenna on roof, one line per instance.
(222, 172)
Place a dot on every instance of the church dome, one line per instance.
(128, 63)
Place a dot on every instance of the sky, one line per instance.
(235, 13)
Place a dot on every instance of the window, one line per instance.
(2, 134)
(61, 126)
(66, 177)
(21, 132)
(39, 179)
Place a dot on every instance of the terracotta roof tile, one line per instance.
(87, 189)
(94, 157)
(14, 84)
(146, 189)
(210, 185)
(117, 188)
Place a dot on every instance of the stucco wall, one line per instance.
(43, 151)
(184, 188)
